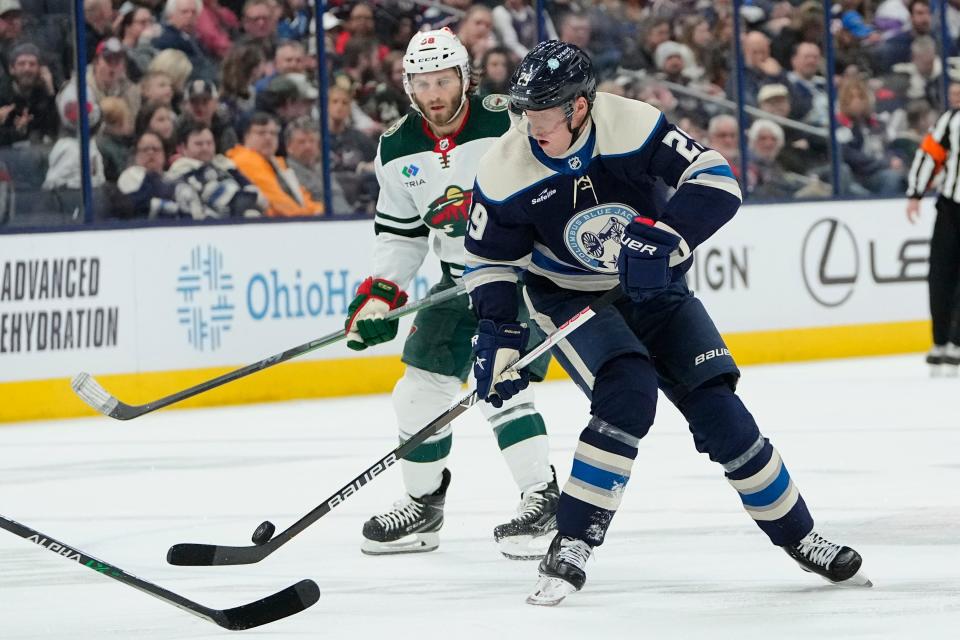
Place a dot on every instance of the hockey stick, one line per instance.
(291, 600)
(195, 554)
(93, 393)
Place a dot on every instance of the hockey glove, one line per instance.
(366, 325)
(644, 260)
(495, 349)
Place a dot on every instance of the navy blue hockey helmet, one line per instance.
(552, 74)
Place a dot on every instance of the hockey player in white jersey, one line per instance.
(426, 164)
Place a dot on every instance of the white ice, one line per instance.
(874, 445)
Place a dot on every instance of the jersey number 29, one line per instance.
(683, 144)
(478, 221)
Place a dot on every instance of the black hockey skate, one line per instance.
(561, 571)
(836, 563)
(943, 359)
(527, 536)
(413, 526)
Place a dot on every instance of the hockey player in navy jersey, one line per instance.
(564, 200)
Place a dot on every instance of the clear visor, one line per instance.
(537, 124)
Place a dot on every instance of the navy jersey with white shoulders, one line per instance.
(562, 218)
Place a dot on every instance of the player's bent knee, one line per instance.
(720, 423)
(625, 394)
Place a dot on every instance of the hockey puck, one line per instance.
(263, 533)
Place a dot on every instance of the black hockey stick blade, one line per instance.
(198, 554)
(282, 604)
(93, 393)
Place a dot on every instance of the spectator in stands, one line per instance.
(259, 21)
(177, 66)
(851, 55)
(724, 137)
(257, 160)
(287, 98)
(63, 170)
(302, 138)
(107, 75)
(361, 66)
(115, 139)
(99, 23)
(808, 90)
(289, 58)
(351, 153)
(360, 24)
(766, 178)
(11, 28)
(179, 33)
(389, 100)
(201, 103)
(891, 16)
(806, 26)
(515, 23)
(920, 79)
(243, 66)
(920, 117)
(216, 28)
(759, 68)
(898, 48)
(27, 101)
(144, 193)
(863, 143)
(156, 86)
(654, 32)
(953, 95)
(575, 28)
(496, 68)
(295, 16)
(672, 59)
(774, 99)
(221, 189)
(476, 32)
(696, 35)
(161, 120)
(138, 28)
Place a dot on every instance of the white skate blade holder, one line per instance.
(550, 591)
(414, 543)
(525, 547)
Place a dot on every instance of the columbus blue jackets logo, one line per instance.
(593, 235)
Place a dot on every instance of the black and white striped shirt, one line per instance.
(940, 150)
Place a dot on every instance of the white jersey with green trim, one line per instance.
(426, 189)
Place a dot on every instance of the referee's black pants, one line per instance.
(944, 277)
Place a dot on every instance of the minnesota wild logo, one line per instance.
(449, 213)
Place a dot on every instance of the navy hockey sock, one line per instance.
(769, 494)
(592, 494)
(724, 429)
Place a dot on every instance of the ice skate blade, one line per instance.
(525, 547)
(414, 543)
(550, 592)
(858, 580)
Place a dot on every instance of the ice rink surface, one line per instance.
(874, 445)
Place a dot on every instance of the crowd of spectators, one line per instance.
(209, 108)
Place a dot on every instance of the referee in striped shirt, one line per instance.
(940, 151)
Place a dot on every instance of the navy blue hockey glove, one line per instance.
(495, 349)
(644, 261)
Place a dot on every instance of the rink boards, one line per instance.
(151, 311)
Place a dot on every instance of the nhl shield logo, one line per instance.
(593, 235)
(574, 163)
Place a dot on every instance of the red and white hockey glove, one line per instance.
(366, 325)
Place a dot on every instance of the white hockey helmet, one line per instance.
(433, 51)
